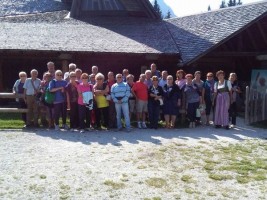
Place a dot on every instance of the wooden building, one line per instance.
(117, 34)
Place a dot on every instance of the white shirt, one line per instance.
(220, 86)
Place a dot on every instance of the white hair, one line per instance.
(99, 75)
(23, 73)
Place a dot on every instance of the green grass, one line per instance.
(156, 182)
(114, 185)
(11, 121)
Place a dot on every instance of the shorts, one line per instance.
(141, 106)
(132, 105)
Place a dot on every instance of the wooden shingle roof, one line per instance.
(196, 35)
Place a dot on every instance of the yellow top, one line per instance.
(101, 101)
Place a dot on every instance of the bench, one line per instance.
(12, 110)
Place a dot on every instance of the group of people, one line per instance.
(96, 102)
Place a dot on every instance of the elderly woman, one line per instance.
(85, 101)
(208, 95)
(72, 100)
(101, 90)
(235, 91)
(78, 74)
(132, 100)
(199, 83)
(193, 99)
(60, 103)
(172, 102)
(223, 96)
(180, 79)
(18, 89)
(46, 109)
(155, 96)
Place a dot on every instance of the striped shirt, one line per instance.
(120, 91)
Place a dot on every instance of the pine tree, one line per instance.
(239, 2)
(157, 8)
(223, 5)
(168, 16)
(209, 8)
(230, 3)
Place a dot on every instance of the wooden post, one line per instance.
(247, 106)
(1, 77)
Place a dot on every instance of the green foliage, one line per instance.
(168, 16)
(223, 4)
(157, 9)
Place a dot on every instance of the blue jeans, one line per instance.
(124, 107)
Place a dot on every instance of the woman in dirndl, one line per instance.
(223, 100)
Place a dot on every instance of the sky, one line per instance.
(188, 7)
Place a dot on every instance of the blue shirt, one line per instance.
(120, 91)
(60, 97)
(29, 86)
(192, 93)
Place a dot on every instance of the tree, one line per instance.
(157, 8)
(239, 2)
(168, 16)
(223, 5)
(209, 8)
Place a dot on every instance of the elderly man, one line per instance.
(140, 91)
(154, 71)
(72, 68)
(94, 70)
(125, 73)
(31, 89)
(120, 93)
(51, 68)
(163, 80)
(148, 80)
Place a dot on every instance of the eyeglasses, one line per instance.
(22, 76)
(59, 74)
(210, 76)
(84, 78)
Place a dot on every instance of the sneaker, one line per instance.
(66, 127)
(144, 125)
(82, 131)
(57, 128)
(139, 125)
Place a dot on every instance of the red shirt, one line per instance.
(140, 90)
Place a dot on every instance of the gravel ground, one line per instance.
(142, 164)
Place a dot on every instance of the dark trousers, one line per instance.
(74, 120)
(233, 112)
(153, 114)
(84, 114)
(191, 111)
(112, 115)
(60, 109)
(99, 113)
(22, 104)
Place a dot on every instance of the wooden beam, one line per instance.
(263, 34)
(1, 76)
(237, 54)
(10, 96)
(240, 42)
(251, 38)
(13, 110)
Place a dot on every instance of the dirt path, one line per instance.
(204, 163)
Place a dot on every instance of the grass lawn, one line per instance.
(11, 121)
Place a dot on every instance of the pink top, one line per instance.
(83, 88)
